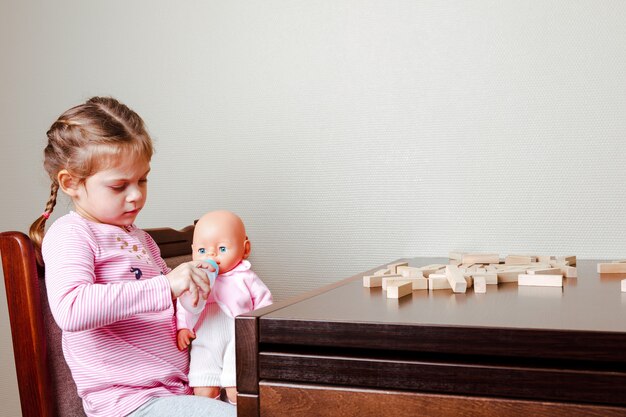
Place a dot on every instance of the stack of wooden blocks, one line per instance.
(467, 270)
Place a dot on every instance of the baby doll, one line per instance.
(220, 236)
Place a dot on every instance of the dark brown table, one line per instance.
(348, 350)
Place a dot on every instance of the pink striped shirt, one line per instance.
(108, 295)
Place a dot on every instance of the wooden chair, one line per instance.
(45, 384)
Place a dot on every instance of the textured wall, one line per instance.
(345, 133)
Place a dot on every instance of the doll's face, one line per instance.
(221, 236)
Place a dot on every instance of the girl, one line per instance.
(108, 287)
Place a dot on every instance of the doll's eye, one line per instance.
(202, 250)
(222, 249)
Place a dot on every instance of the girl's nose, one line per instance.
(134, 194)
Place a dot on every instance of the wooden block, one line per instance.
(545, 271)
(570, 259)
(392, 278)
(410, 272)
(539, 265)
(479, 271)
(610, 268)
(480, 286)
(624, 285)
(456, 279)
(544, 259)
(532, 267)
(490, 279)
(540, 280)
(457, 256)
(419, 283)
(517, 260)
(467, 267)
(387, 278)
(399, 289)
(372, 281)
(431, 269)
(469, 280)
(393, 267)
(383, 271)
(481, 258)
(432, 266)
(569, 271)
(556, 263)
(509, 275)
(438, 282)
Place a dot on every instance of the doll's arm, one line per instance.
(259, 293)
(184, 338)
(185, 319)
(185, 322)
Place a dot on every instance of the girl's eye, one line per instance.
(222, 249)
(117, 187)
(143, 181)
(202, 250)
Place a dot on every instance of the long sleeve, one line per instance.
(184, 318)
(259, 293)
(84, 295)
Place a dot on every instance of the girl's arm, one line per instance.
(77, 300)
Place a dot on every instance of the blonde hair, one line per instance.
(86, 139)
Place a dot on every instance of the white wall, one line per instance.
(345, 133)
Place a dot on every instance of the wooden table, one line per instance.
(348, 350)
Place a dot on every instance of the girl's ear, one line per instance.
(67, 183)
(246, 248)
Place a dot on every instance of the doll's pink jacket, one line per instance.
(237, 291)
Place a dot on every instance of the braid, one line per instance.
(52, 201)
(37, 229)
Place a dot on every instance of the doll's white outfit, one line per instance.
(213, 350)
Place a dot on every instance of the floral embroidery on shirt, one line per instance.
(139, 252)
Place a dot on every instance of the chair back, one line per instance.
(44, 380)
(22, 282)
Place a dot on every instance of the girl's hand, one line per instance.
(189, 276)
(184, 338)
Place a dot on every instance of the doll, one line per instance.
(219, 236)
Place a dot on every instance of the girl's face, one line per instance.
(114, 195)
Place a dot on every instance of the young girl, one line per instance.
(108, 287)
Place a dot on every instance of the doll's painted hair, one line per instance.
(86, 139)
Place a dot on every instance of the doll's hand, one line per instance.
(184, 338)
(188, 276)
